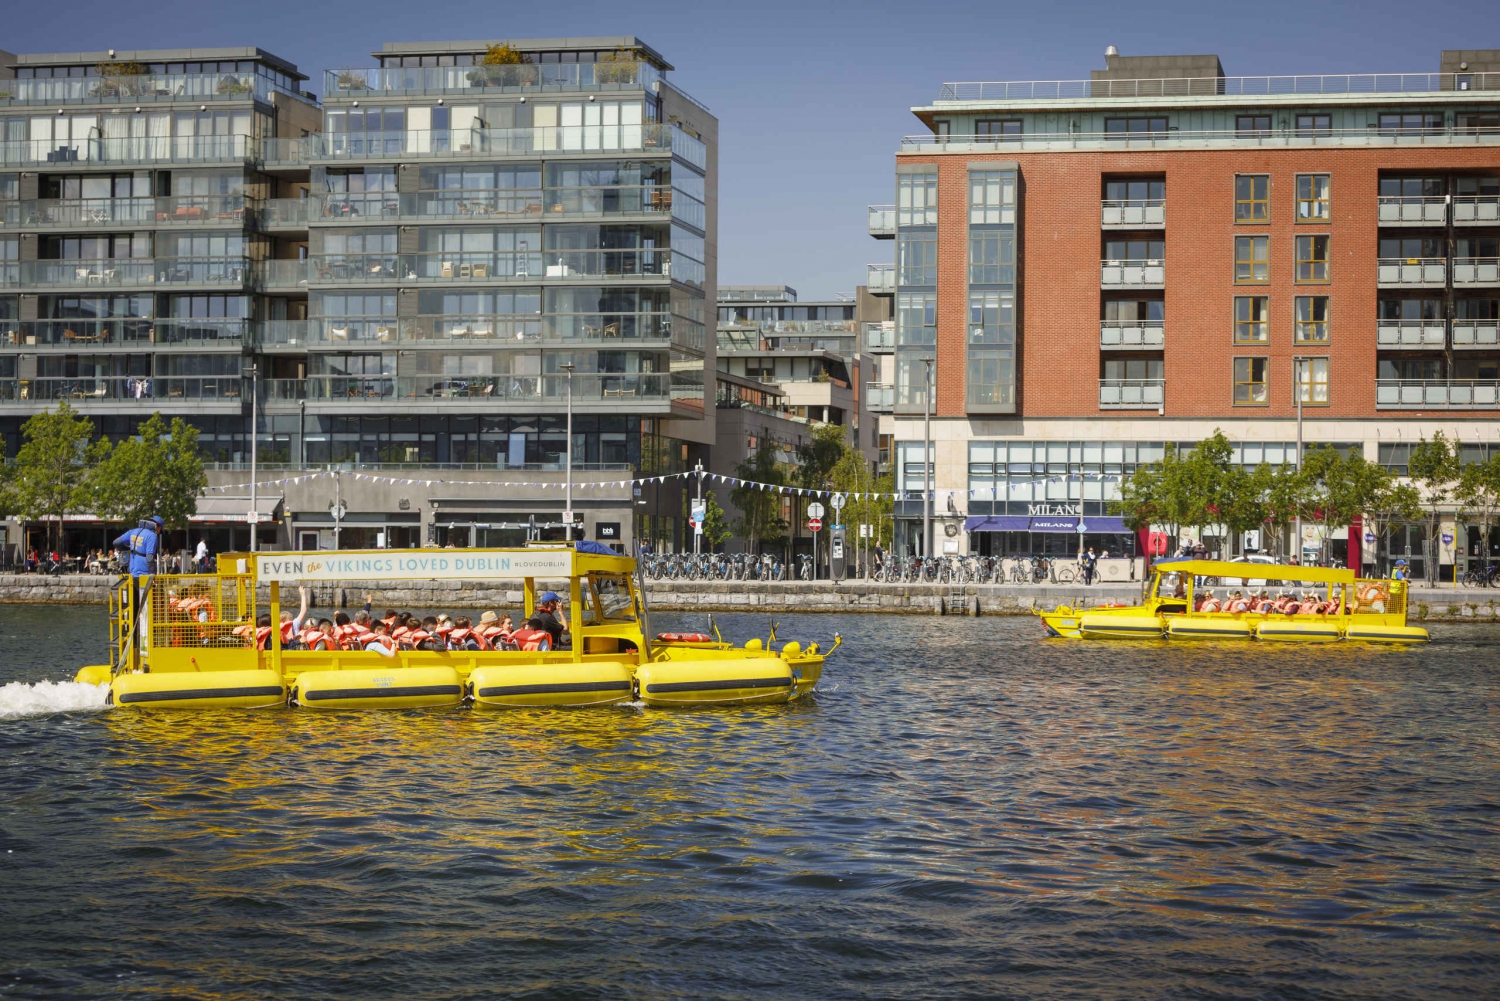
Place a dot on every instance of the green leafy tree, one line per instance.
(1434, 466)
(760, 520)
(1478, 491)
(716, 529)
(1283, 499)
(1242, 499)
(51, 476)
(853, 477)
(1202, 481)
(1389, 504)
(158, 472)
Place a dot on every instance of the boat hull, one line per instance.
(1186, 628)
(1376, 633)
(566, 684)
(1107, 625)
(1293, 631)
(378, 688)
(754, 681)
(199, 690)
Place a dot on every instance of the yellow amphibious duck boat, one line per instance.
(1369, 611)
(188, 641)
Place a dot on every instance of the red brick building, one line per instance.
(1093, 269)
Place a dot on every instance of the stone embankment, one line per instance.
(741, 596)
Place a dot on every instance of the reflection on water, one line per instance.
(965, 810)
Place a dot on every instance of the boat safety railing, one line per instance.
(214, 611)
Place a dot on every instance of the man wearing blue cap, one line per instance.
(549, 616)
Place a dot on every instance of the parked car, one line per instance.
(1251, 582)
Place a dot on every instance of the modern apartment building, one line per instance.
(1095, 268)
(414, 277)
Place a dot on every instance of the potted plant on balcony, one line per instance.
(120, 79)
(229, 86)
(502, 66)
(351, 80)
(619, 66)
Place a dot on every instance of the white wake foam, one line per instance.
(21, 699)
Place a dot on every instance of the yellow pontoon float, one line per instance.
(1364, 610)
(188, 641)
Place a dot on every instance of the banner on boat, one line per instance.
(334, 567)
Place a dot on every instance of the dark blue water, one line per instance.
(966, 810)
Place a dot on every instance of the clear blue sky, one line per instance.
(812, 97)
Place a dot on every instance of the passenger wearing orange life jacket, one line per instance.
(437, 638)
(380, 640)
(319, 636)
(1238, 603)
(532, 636)
(463, 636)
(392, 619)
(444, 623)
(1210, 603)
(495, 630)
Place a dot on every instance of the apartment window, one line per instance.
(1138, 249)
(1250, 319)
(990, 377)
(1312, 319)
(1252, 198)
(998, 127)
(1314, 125)
(1479, 125)
(1312, 381)
(1133, 369)
(992, 197)
(1131, 128)
(916, 258)
(1252, 260)
(1129, 312)
(1312, 258)
(1249, 126)
(1412, 249)
(1411, 187)
(991, 258)
(1312, 197)
(916, 199)
(992, 318)
(1152, 192)
(1410, 309)
(1464, 187)
(1250, 382)
(916, 319)
(1411, 124)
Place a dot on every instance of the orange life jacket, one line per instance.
(532, 639)
(1239, 605)
(376, 640)
(314, 639)
(1209, 605)
(263, 637)
(413, 638)
(459, 639)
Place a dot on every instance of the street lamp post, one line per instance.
(568, 480)
(1298, 361)
(927, 458)
(254, 514)
(698, 530)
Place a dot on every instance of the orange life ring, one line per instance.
(684, 638)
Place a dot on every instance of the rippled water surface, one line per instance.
(965, 810)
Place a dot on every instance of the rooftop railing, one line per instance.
(1232, 86)
(446, 143)
(133, 150)
(516, 77)
(134, 89)
(1174, 138)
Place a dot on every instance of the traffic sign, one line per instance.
(837, 500)
(815, 524)
(815, 510)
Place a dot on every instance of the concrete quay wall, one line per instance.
(736, 596)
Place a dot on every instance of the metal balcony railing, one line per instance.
(1476, 270)
(82, 213)
(1235, 86)
(1125, 335)
(1143, 213)
(1422, 394)
(1413, 210)
(133, 150)
(1476, 210)
(1476, 334)
(1411, 271)
(1132, 273)
(880, 278)
(542, 389)
(1410, 334)
(475, 81)
(1373, 136)
(457, 143)
(1131, 394)
(882, 220)
(137, 88)
(151, 390)
(82, 334)
(880, 398)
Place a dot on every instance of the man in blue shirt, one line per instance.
(142, 544)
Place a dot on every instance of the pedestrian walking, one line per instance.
(1090, 564)
(200, 556)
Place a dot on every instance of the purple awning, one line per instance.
(1054, 524)
(997, 523)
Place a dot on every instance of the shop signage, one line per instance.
(472, 564)
(607, 529)
(1062, 510)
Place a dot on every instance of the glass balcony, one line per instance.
(10, 274)
(288, 152)
(1132, 273)
(500, 204)
(1411, 272)
(521, 265)
(290, 275)
(1236, 86)
(352, 269)
(282, 389)
(879, 398)
(1281, 138)
(134, 150)
(625, 264)
(880, 338)
(134, 89)
(447, 144)
(883, 222)
(476, 81)
(1476, 335)
(1476, 210)
(1131, 335)
(1133, 213)
(146, 389)
(1413, 210)
(1130, 394)
(352, 330)
(1476, 270)
(292, 213)
(79, 274)
(1411, 334)
(880, 279)
(83, 213)
(608, 201)
(540, 389)
(10, 214)
(201, 271)
(282, 333)
(1424, 394)
(79, 334)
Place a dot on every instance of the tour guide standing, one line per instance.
(142, 544)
